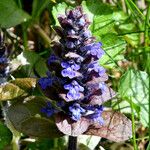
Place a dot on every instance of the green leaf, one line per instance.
(114, 47)
(31, 62)
(26, 84)
(40, 127)
(11, 15)
(5, 136)
(10, 91)
(27, 118)
(38, 7)
(17, 88)
(134, 86)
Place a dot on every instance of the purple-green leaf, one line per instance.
(70, 127)
(117, 127)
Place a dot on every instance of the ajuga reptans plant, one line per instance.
(76, 83)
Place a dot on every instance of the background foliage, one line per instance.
(123, 28)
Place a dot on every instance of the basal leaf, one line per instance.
(116, 127)
(11, 15)
(69, 127)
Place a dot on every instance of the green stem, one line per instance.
(133, 127)
(24, 30)
(43, 35)
(15, 142)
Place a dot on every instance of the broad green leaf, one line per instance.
(10, 14)
(27, 118)
(134, 86)
(114, 47)
(40, 127)
(5, 136)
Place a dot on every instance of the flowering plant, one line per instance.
(76, 83)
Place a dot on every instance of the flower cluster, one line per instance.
(4, 68)
(75, 76)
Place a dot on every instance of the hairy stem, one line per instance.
(72, 143)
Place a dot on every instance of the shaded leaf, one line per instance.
(117, 127)
(5, 136)
(40, 127)
(70, 127)
(11, 14)
(23, 117)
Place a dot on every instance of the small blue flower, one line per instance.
(73, 94)
(96, 68)
(74, 89)
(94, 113)
(70, 44)
(52, 58)
(68, 72)
(76, 111)
(93, 49)
(74, 84)
(70, 64)
(48, 110)
(45, 82)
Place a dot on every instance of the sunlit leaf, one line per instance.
(10, 91)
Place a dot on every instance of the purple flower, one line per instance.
(53, 58)
(74, 84)
(79, 68)
(94, 113)
(70, 64)
(45, 82)
(76, 111)
(48, 110)
(68, 72)
(93, 49)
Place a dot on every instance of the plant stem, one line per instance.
(42, 34)
(72, 143)
(15, 142)
(133, 127)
